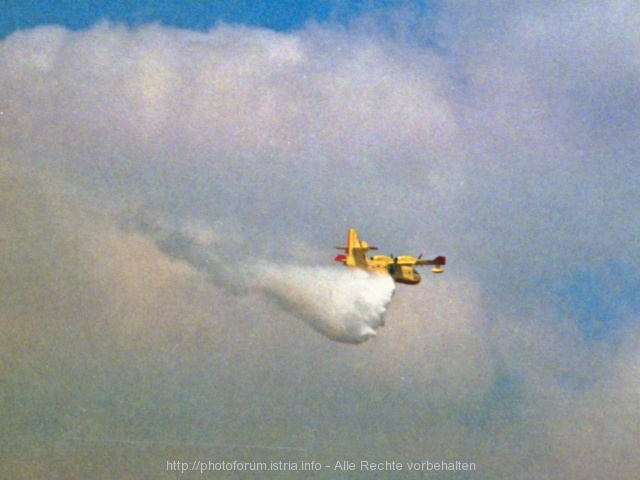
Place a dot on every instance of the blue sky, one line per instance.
(278, 15)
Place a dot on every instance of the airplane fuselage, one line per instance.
(400, 273)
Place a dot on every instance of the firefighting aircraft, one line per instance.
(401, 268)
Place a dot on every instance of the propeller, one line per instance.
(392, 268)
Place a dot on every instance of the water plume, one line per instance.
(345, 305)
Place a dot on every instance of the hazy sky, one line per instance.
(173, 181)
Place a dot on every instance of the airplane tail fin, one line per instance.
(355, 250)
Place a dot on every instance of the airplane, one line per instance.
(402, 268)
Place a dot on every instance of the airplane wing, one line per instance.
(409, 260)
(440, 260)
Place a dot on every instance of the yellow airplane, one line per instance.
(401, 268)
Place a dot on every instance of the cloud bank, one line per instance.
(504, 138)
